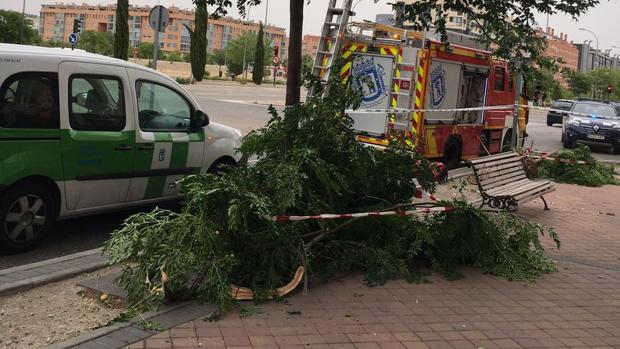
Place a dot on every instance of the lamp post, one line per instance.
(245, 44)
(21, 33)
(591, 32)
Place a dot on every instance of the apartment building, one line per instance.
(309, 45)
(56, 23)
(456, 21)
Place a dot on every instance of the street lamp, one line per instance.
(591, 32)
(245, 44)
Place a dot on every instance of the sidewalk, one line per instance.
(579, 306)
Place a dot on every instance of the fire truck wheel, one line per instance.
(452, 154)
(507, 143)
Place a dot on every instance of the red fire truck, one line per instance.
(399, 72)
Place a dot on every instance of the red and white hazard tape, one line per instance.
(402, 213)
(404, 110)
(421, 194)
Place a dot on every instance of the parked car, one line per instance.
(597, 123)
(555, 117)
(82, 133)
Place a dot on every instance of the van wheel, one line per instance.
(452, 154)
(27, 211)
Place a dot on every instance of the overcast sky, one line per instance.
(604, 20)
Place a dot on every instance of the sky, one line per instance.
(604, 19)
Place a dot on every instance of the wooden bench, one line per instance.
(503, 184)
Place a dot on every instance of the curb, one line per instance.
(31, 275)
(123, 334)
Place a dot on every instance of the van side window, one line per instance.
(30, 100)
(500, 79)
(161, 108)
(96, 103)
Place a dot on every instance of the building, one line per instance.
(560, 47)
(57, 24)
(309, 45)
(591, 58)
(456, 21)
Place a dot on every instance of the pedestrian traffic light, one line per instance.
(77, 25)
(609, 88)
(276, 51)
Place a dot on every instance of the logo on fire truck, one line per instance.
(369, 78)
(438, 87)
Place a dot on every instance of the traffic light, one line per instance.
(77, 25)
(609, 89)
(276, 51)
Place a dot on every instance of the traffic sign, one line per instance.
(276, 60)
(74, 38)
(159, 18)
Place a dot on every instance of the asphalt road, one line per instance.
(240, 106)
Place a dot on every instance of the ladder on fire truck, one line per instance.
(330, 42)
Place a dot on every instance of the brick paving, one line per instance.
(577, 307)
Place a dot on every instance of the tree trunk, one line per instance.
(121, 34)
(293, 83)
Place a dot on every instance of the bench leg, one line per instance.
(545, 201)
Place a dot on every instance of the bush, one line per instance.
(591, 174)
(183, 81)
(309, 161)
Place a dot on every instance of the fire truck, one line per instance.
(412, 83)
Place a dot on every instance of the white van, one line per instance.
(82, 133)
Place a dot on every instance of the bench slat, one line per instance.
(533, 191)
(516, 178)
(502, 174)
(498, 162)
(526, 188)
(540, 194)
(491, 170)
(493, 157)
(507, 186)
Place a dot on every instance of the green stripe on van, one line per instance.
(162, 136)
(179, 155)
(154, 187)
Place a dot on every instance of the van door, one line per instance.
(97, 134)
(166, 149)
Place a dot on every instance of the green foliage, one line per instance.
(578, 82)
(183, 81)
(174, 56)
(309, 161)
(234, 52)
(198, 48)
(97, 42)
(591, 174)
(121, 35)
(217, 57)
(258, 72)
(307, 64)
(510, 38)
(14, 27)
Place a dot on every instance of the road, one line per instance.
(240, 106)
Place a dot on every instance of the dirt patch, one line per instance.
(52, 313)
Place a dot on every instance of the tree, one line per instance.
(509, 25)
(578, 82)
(235, 48)
(259, 58)
(12, 25)
(293, 82)
(307, 64)
(218, 57)
(198, 48)
(97, 42)
(121, 34)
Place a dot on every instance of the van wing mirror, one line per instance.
(80, 99)
(198, 120)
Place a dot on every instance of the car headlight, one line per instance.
(616, 127)
(573, 122)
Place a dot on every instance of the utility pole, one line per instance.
(245, 44)
(266, 10)
(21, 34)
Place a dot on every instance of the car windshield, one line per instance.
(598, 110)
(562, 105)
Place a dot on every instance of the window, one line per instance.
(96, 103)
(161, 108)
(30, 100)
(500, 77)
